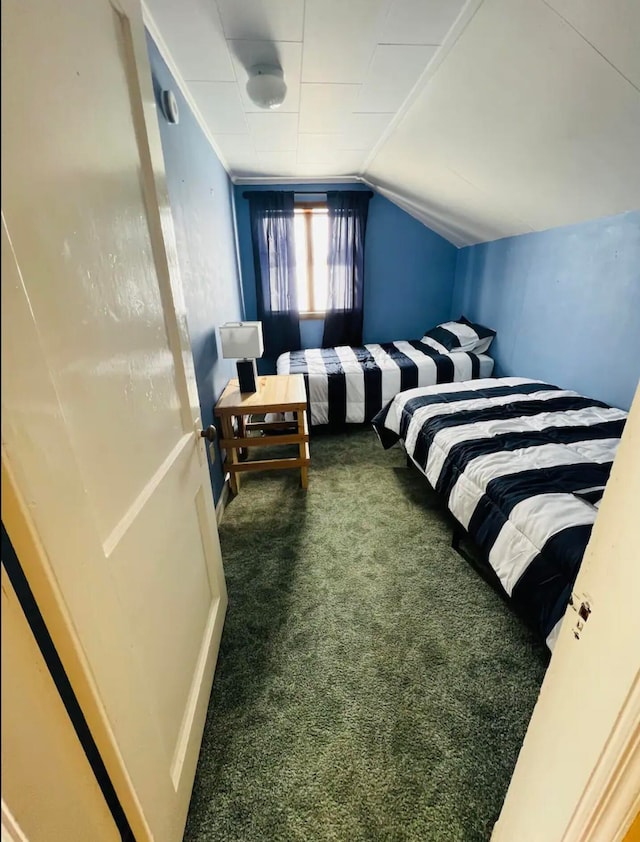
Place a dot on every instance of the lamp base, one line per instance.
(247, 375)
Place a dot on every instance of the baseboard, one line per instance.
(224, 499)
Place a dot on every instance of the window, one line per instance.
(311, 232)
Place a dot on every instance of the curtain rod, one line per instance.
(247, 193)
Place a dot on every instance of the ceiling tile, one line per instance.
(315, 148)
(274, 142)
(418, 22)
(378, 99)
(273, 130)
(266, 20)
(244, 166)
(278, 163)
(326, 108)
(349, 143)
(343, 164)
(398, 64)
(361, 131)
(192, 31)
(287, 55)
(232, 145)
(339, 38)
(220, 105)
(348, 163)
(322, 148)
(393, 72)
(600, 24)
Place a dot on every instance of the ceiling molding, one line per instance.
(462, 21)
(164, 51)
(418, 212)
(297, 179)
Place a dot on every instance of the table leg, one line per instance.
(243, 452)
(304, 471)
(229, 433)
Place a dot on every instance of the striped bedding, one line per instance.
(522, 466)
(350, 385)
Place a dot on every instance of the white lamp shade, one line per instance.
(241, 340)
(266, 86)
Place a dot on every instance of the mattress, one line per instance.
(348, 385)
(522, 466)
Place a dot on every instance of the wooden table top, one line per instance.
(276, 393)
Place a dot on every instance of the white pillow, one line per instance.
(459, 336)
(449, 337)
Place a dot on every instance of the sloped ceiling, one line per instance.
(485, 120)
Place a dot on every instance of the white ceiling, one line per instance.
(483, 120)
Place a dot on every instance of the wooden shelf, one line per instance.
(268, 464)
(263, 441)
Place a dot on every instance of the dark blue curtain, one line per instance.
(347, 225)
(275, 267)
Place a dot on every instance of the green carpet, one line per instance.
(370, 686)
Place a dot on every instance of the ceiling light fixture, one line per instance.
(266, 86)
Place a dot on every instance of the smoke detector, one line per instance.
(266, 86)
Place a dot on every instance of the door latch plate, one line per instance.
(582, 605)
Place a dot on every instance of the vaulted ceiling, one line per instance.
(484, 119)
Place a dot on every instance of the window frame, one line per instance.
(306, 209)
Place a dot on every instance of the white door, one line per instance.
(578, 773)
(100, 410)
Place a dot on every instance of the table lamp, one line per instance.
(243, 341)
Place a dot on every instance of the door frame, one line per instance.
(611, 799)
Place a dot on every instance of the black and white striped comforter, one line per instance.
(350, 385)
(522, 466)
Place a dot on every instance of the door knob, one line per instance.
(210, 433)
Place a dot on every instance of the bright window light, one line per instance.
(311, 232)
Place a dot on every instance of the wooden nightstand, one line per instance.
(277, 393)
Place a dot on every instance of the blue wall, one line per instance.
(565, 304)
(201, 197)
(409, 270)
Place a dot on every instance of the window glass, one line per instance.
(311, 231)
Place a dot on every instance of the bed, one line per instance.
(348, 385)
(522, 467)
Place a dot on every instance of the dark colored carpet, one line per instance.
(370, 685)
